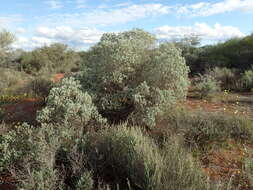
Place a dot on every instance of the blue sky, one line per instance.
(80, 23)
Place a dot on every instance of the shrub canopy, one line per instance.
(54, 58)
(130, 77)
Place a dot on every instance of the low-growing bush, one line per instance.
(200, 128)
(39, 87)
(122, 154)
(29, 153)
(232, 79)
(125, 156)
(85, 182)
(207, 86)
(54, 58)
(67, 104)
(247, 80)
(227, 78)
(15, 146)
(11, 80)
(180, 170)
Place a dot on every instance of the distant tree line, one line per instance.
(236, 53)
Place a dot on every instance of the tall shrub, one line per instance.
(130, 77)
(6, 39)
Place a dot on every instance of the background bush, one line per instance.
(39, 87)
(247, 80)
(6, 39)
(11, 81)
(50, 59)
(207, 86)
(202, 128)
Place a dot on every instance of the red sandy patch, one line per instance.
(24, 111)
(57, 77)
(7, 182)
(227, 163)
(196, 104)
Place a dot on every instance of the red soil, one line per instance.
(57, 77)
(196, 104)
(226, 164)
(24, 111)
(7, 182)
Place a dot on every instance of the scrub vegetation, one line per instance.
(128, 114)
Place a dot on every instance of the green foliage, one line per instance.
(227, 78)
(126, 154)
(202, 128)
(16, 146)
(11, 80)
(232, 79)
(247, 80)
(128, 73)
(29, 154)
(207, 86)
(180, 169)
(43, 179)
(6, 39)
(85, 182)
(67, 104)
(48, 59)
(235, 53)
(129, 158)
(248, 166)
(39, 87)
(190, 50)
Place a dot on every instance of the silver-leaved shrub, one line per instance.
(69, 105)
(132, 78)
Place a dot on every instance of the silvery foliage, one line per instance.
(6, 39)
(68, 104)
(128, 71)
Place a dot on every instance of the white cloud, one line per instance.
(30, 43)
(21, 42)
(81, 38)
(208, 9)
(124, 4)
(69, 35)
(127, 14)
(42, 40)
(105, 17)
(206, 32)
(54, 4)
